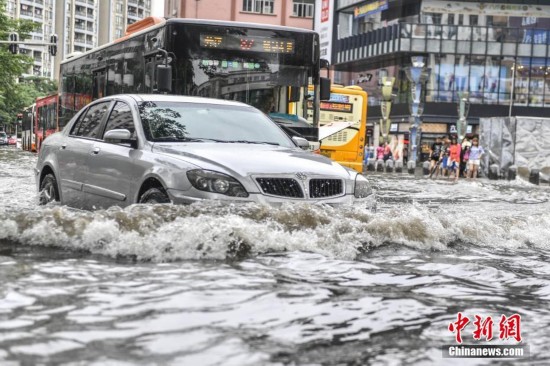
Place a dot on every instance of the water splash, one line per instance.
(217, 231)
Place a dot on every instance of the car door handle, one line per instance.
(63, 147)
(96, 150)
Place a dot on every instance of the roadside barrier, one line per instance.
(494, 172)
(379, 165)
(534, 176)
(389, 166)
(399, 166)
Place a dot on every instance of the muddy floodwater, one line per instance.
(215, 284)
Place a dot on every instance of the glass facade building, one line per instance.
(499, 52)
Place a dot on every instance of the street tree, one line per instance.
(12, 67)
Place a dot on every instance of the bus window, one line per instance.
(99, 83)
(149, 75)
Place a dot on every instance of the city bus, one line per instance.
(343, 125)
(45, 118)
(28, 137)
(259, 64)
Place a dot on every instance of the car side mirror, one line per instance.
(325, 89)
(301, 142)
(164, 78)
(120, 136)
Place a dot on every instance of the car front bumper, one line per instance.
(187, 197)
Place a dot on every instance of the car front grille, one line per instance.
(284, 187)
(320, 188)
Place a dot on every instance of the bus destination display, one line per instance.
(247, 43)
(333, 106)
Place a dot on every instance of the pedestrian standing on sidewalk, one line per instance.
(464, 160)
(387, 152)
(475, 157)
(454, 158)
(380, 152)
(371, 151)
(435, 154)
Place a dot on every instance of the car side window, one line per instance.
(76, 126)
(89, 125)
(121, 118)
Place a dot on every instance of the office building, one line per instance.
(497, 51)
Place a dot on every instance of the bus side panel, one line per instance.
(347, 146)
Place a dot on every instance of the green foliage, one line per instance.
(15, 96)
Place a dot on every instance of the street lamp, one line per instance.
(463, 109)
(418, 75)
(385, 106)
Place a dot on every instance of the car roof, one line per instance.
(177, 98)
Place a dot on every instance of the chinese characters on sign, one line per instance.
(509, 327)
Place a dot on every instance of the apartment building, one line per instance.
(85, 24)
(41, 12)
(293, 13)
(118, 15)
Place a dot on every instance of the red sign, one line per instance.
(509, 327)
(337, 107)
(325, 10)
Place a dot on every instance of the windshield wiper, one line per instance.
(252, 142)
(177, 139)
(168, 139)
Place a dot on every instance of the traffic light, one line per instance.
(14, 47)
(53, 47)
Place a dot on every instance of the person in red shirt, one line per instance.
(454, 158)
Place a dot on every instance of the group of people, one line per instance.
(452, 159)
(385, 152)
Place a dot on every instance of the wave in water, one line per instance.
(217, 231)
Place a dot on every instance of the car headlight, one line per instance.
(362, 187)
(209, 181)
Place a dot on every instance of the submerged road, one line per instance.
(211, 284)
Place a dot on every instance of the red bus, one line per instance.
(28, 138)
(45, 121)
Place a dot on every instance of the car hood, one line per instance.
(252, 159)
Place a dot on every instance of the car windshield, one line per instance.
(3, 134)
(196, 122)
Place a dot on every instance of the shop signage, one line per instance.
(370, 8)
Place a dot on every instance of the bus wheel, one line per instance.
(154, 195)
(48, 190)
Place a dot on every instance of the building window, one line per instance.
(259, 6)
(302, 8)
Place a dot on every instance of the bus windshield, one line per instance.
(254, 66)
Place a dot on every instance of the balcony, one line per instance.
(406, 38)
(85, 3)
(84, 14)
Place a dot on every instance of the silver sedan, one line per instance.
(129, 149)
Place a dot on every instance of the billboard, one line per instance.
(324, 19)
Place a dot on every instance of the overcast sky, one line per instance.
(157, 8)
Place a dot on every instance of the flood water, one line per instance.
(211, 284)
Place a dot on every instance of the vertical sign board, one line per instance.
(324, 20)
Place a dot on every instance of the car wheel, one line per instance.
(154, 195)
(48, 190)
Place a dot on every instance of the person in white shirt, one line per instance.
(475, 157)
